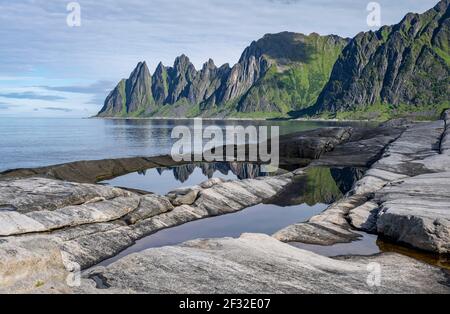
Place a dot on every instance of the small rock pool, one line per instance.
(306, 197)
(262, 218)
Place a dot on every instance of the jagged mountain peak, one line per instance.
(182, 60)
(141, 69)
(209, 65)
(159, 67)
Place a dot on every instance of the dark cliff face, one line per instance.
(133, 95)
(160, 87)
(212, 88)
(408, 63)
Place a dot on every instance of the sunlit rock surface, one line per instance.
(257, 263)
(404, 196)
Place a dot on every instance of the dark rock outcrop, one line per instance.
(92, 171)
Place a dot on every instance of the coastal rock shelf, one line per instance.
(56, 220)
(404, 196)
(257, 263)
(89, 223)
(416, 211)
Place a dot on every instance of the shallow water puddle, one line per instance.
(367, 245)
(261, 218)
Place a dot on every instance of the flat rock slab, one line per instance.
(362, 149)
(92, 171)
(260, 264)
(38, 194)
(27, 265)
(416, 211)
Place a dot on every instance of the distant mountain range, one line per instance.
(398, 70)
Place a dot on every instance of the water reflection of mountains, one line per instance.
(240, 170)
(317, 186)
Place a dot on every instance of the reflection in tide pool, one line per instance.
(366, 245)
(163, 180)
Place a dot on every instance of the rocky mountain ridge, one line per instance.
(404, 64)
(399, 69)
(268, 70)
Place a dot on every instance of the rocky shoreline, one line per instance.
(403, 196)
(55, 221)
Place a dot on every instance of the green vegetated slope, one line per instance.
(296, 84)
(400, 70)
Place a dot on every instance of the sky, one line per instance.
(48, 69)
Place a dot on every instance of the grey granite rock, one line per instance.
(14, 223)
(403, 196)
(365, 217)
(149, 206)
(90, 223)
(31, 265)
(416, 211)
(260, 264)
(328, 228)
(39, 194)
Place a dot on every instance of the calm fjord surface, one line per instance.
(36, 142)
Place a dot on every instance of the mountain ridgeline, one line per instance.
(400, 69)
